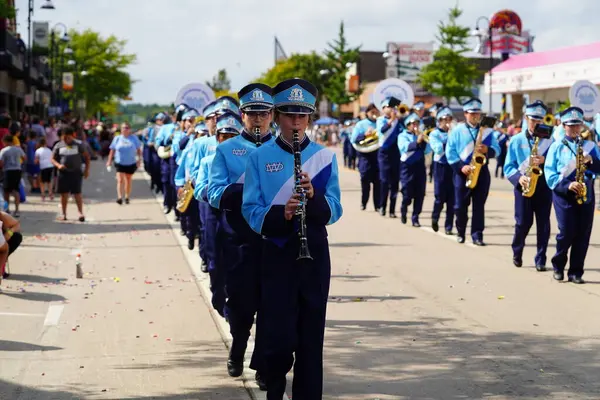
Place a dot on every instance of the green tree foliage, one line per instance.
(338, 56)
(104, 61)
(6, 10)
(304, 66)
(220, 82)
(451, 74)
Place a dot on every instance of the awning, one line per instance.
(552, 69)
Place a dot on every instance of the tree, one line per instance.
(450, 75)
(98, 65)
(304, 66)
(338, 56)
(7, 11)
(220, 82)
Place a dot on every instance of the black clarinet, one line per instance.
(304, 253)
(257, 136)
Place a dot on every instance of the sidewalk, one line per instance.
(135, 327)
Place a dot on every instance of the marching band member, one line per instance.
(518, 159)
(146, 149)
(459, 151)
(368, 166)
(242, 246)
(419, 109)
(294, 290)
(413, 148)
(186, 127)
(389, 126)
(165, 138)
(228, 125)
(191, 218)
(502, 139)
(442, 172)
(210, 120)
(159, 121)
(572, 195)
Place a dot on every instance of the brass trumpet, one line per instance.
(403, 109)
(549, 120)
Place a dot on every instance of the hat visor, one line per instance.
(211, 115)
(227, 131)
(472, 111)
(573, 122)
(256, 107)
(535, 117)
(295, 110)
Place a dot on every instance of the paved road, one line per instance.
(412, 314)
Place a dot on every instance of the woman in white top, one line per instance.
(43, 158)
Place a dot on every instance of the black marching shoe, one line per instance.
(235, 368)
(393, 215)
(167, 210)
(540, 268)
(435, 226)
(577, 280)
(403, 219)
(517, 262)
(204, 267)
(382, 212)
(460, 239)
(478, 242)
(177, 218)
(191, 243)
(260, 382)
(559, 276)
(182, 233)
(363, 207)
(449, 232)
(416, 224)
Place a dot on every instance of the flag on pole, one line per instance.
(279, 52)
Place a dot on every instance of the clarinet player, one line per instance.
(569, 182)
(293, 291)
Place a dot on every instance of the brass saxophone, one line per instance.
(532, 173)
(304, 253)
(186, 196)
(478, 160)
(580, 172)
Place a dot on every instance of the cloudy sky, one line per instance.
(183, 41)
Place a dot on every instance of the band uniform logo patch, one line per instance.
(296, 95)
(274, 167)
(257, 95)
(239, 152)
(231, 122)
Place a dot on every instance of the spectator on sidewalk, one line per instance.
(33, 170)
(10, 239)
(68, 157)
(126, 150)
(43, 158)
(11, 161)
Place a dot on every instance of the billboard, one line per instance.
(406, 59)
(508, 36)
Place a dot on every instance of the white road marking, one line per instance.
(53, 315)
(16, 314)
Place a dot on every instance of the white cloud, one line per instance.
(181, 41)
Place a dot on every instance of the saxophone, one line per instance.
(186, 196)
(580, 172)
(532, 173)
(478, 160)
(304, 253)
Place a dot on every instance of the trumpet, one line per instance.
(403, 109)
(549, 120)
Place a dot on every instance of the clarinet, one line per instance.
(304, 253)
(257, 136)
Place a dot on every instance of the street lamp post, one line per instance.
(46, 6)
(481, 37)
(54, 59)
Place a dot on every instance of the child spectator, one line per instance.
(11, 161)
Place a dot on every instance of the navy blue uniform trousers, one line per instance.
(292, 312)
(368, 167)
(574, 229)
(213, 255)
(155, 169)
(462, 200)
(443, 189)
(414, 181)
(389, 175)
(539, 205)
(190, 220)
(169, 194)
(146, 157)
